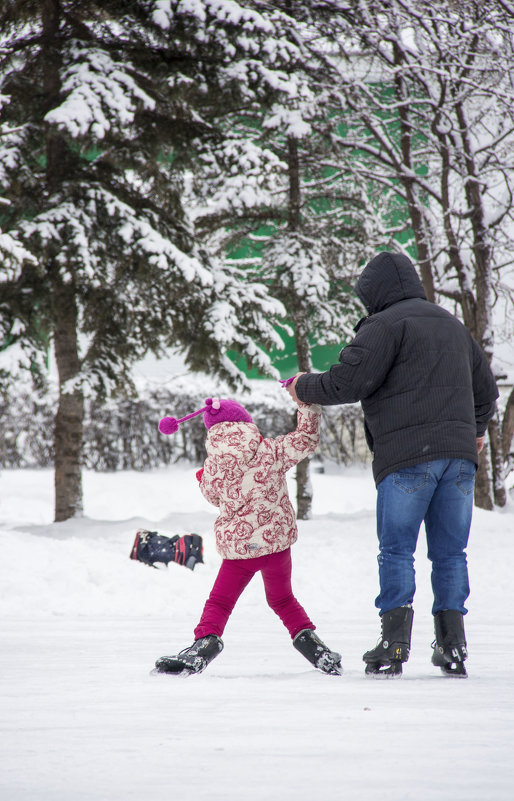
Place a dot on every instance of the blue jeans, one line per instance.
(441, 494)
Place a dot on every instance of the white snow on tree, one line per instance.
(427, 90)
(110, 110)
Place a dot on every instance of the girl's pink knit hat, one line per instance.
(216, 410)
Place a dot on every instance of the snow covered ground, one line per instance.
(81, 719)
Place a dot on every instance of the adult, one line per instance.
(427, 394)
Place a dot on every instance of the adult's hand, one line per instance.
(480, 443)
(291, 388)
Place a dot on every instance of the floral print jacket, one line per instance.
(244, 475)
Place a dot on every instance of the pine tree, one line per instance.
(109, 107)
(304, 225)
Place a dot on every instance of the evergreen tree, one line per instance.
(109, 107)
(297, 223)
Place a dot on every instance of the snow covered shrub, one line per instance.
(342, 434)
(26, 422)
(122, 433)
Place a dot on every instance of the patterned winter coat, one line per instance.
(245, 477)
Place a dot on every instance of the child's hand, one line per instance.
(290, 385)
(199, 474)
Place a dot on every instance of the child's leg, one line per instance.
(276, 574)
(234, 575)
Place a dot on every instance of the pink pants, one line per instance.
(235, 574)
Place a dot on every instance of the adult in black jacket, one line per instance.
(427, 393)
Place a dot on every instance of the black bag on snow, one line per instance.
(150, 547)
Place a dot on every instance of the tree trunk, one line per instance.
(499, 490)
(69, 420)
(483, 497)
(303, 481)
(507, 432)
(293, 168)
(303, 350)
(303, 490)
(483, 333)
(416, 216)
(508, 426)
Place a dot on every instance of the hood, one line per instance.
(239, 440)
(387, 279)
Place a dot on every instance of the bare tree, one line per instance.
(426, 89)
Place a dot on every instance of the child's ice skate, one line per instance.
(193, 659)
(313, 649)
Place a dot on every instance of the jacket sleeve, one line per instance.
(293, 447)
(363, 367)
(485, 391)
(207, 487)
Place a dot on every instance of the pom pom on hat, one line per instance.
(216, 410)
(168, 425)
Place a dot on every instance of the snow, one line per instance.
(99, 93)
(82, 625)
(222, 11)
(289, 122)
(13, 254)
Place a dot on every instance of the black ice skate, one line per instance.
(193, 659)
(152, 548)
(450, 648)
(313, 649)
(393, 648)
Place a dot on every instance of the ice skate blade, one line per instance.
(336, 670)
(175, 666)
(377, 671)
(454, 670)
(330, 664)
(182, 674)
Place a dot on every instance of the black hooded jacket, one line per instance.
(425, 385)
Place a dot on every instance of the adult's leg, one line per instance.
(402, 501)
(276, 574)
(233, 576)
(447, 523)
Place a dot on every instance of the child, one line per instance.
(244, 476)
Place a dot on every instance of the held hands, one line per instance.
(289, 385)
